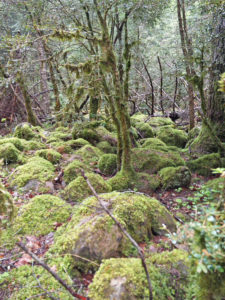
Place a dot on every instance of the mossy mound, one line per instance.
(160, 121)
(89, 154)
(204, 164)
(175, 177)
(36, 168)
(124, 278)
(49, 154)
(144, 130)
(151, 161)
(6, 203)
(87, 133)
(78, 189)
(216, 184)
(78, 143)
(23, 283)
(172, 137)
(57, 136)
(73, 170)
(92, 234)
(9, 153)
(107, 164)
(154, 143)
(25, 131)
(121, 182)
(18, 143)
(40, 215)
(106, 135)
(139, 117)
(106, 147)
(33, 145)
(193, 133)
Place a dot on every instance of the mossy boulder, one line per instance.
(57, 136)
(139, 117)
(6, 203)
(204, 164)
(154, 143)
(32, 145)
(107, 164)
(62, 147)
(160, 121)
(175, 177)
(106, 147)
(18, 143)
(172, 137)
(35, 168)
(92, 234)
(106, 135)
(151, 161)
(124, 278)
(89, 154)
(78, 143)
(78, 189)
(50, 155)
(9, 153)
(87, 133)
(25, 131)
(73, 170)
(144, 130)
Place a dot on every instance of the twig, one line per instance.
(140, 252)
(54, 274)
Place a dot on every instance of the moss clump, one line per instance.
(33, 145)
(58, 136)
(151, 161)
(78, 189)
(155, 144)
(216, 184)
(91, 232)
(23, 283)
(106, 147)
(173, 137)
(49, 154)
(62, 147)
(107, 164)
(204, 164)
(73, 170)
(146, 183)
(175, 177)
(78, 143)
(84, 132)
(36, 168)
(139, 117)
(18, 143)
(120, 182)
(124, 278)
(106, 135)
(144, 130)
(89, 154)
(9, 153)
(160, 121)
(6, 203)
(24, 131)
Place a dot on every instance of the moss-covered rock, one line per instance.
(89, 154)
(57, 136)
(62, 147)
(36, 168)
(78, 189)
(124, 278)
(6, 203)
(18, 143)
(151, 161)
(204, 164)
(9, 153)
(144, 130)
(89, 134)
(154, 143)
(32, 145)
(49, 154)
(106, 147)
(25, 131)
(139, 117)
(175, 177)
(121, 182)
(106, 135)
(160, 121)
(173, 137)
(107, 164)
(73, 170)
(92, 234)
(78, 143)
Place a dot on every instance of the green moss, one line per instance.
(9, 153)
(146, 183)
(193, 133)
(49, 154)
(62, 147)
(125, 278)
(73, 170)
(139, 117)
(78, 143)
(18, 143)
(107, 164)
(24, 131)
(215, 184)
(160, 121)
(120, 182)
(151, 161)
(36, 168)
(78, 189)
(106, 135)
(154, 143)
(6, 203)
(32, 281)
(106, 147)
(56, 136)
(204, 164)
(92, 234)
(89, 154)
(85, 132)
(144, 129)
(175, 177)
(172, 137)
(32, 145)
